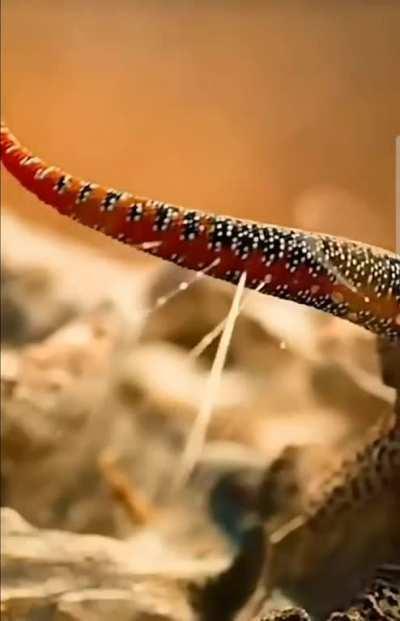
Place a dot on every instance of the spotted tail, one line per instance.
(341, 277)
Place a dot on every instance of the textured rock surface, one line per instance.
(55, 575)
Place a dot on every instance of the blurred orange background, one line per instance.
(282, 111)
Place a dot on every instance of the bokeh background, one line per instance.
(285, 112)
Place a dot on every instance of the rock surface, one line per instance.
(56, 575)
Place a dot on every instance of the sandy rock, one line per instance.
(57, 404)
(56, 575)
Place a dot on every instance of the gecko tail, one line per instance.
(341, 277)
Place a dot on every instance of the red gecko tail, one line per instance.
(344, 278)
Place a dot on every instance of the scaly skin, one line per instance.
(341, 277)
(374, 467)
(380, 601)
